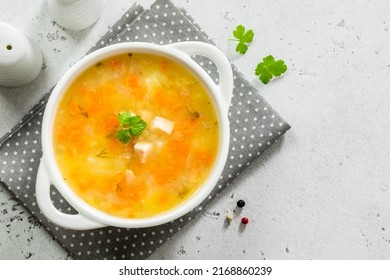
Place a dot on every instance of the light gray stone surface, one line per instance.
(322, 192)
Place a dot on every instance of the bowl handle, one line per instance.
(69, 221)
(225, 84)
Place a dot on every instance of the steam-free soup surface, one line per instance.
(155, 171)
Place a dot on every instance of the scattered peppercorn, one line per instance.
(244, 220)
(240, 203)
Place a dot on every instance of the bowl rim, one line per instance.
(66, 191)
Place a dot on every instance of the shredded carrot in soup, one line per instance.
(153, 172)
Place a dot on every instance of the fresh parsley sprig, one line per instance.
(130, 125)
(243, 38)
(269, 68)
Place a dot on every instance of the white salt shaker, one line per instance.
(20, 58)
(75, 14)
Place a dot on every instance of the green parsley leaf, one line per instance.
(124, 118)
(269, 68)
(243, 38)
(241, 48)
(137, 126)
(239, 31)
(130, 126)
(123, 135)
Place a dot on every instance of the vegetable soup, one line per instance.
(135, 135)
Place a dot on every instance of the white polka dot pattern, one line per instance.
(254, 126)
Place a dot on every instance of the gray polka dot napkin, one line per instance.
(254, 127)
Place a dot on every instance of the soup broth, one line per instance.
(154, 172)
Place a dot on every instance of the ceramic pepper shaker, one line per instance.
(20, 58)
(75, 14)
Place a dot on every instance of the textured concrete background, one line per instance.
(322, 192)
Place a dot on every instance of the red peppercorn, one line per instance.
(244, 220)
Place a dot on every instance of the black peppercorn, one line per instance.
(240, 203)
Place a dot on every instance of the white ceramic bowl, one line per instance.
(89, 217)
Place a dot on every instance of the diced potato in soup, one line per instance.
(154, 172)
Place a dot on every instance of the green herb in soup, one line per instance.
(130, 126)
(136, 136)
